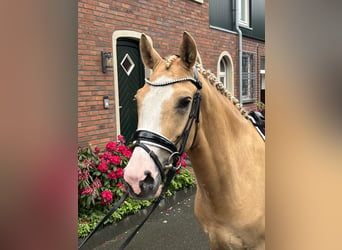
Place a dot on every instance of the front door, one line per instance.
(130, 79)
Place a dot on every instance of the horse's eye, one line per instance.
(183, 103)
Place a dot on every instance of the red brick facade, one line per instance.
(164, 21)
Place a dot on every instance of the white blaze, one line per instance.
(149, 119)
(150, 113)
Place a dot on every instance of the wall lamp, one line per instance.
(106, 102)
(107, 60)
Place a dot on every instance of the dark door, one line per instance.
(130, 79)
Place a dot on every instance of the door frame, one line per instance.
(130, 34)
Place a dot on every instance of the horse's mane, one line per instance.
(221, 89)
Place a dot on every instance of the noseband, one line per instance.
(142, 137)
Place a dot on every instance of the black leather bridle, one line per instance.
(149, 137)
(142, 137)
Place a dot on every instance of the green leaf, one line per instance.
(89, 200)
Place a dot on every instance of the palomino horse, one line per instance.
(226, 151)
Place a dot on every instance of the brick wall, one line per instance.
(164, 21)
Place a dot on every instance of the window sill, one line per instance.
(245, 27)
(246, 101)
(198, 1)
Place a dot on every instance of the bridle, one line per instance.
(142, 138)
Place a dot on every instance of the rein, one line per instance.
(142, 137)
(115, 207)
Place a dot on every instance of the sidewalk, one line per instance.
(171, 226)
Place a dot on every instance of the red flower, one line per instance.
(91, 164)
(111, 175)
(122, 148)
(106, 155)
(79, 171)
(107, 197)
(119, 173)
(97, 150)
(102, 167)
(85, 175)
(111, 146)
(121, 138)
(115, 159)
(182, 161)
(127, 153)
(121, 186)
(87, 190)
(82, 174)
(97, 183)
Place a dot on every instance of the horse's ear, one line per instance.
(188, 50)
(149, 55)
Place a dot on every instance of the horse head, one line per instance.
(164, 104)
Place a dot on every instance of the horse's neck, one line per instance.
(221, 147)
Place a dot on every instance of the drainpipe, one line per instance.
(236, 7)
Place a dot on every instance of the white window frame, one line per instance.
(245, 22)
(229, 74)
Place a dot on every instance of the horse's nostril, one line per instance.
(148, 179)
(148, 182)
(147, 173)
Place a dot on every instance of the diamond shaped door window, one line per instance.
(127, 64)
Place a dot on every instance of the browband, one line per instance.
(194, 80)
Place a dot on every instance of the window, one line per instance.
(221, 15)
(244, 13)
(225, 71)
(248, 77)
(262, 79)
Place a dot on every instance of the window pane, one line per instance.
(222, 66)
(243, 10)
(262, 63)
(244, 64)
(220, 14)
(244, 87)
(222, 79)
(252, 63)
